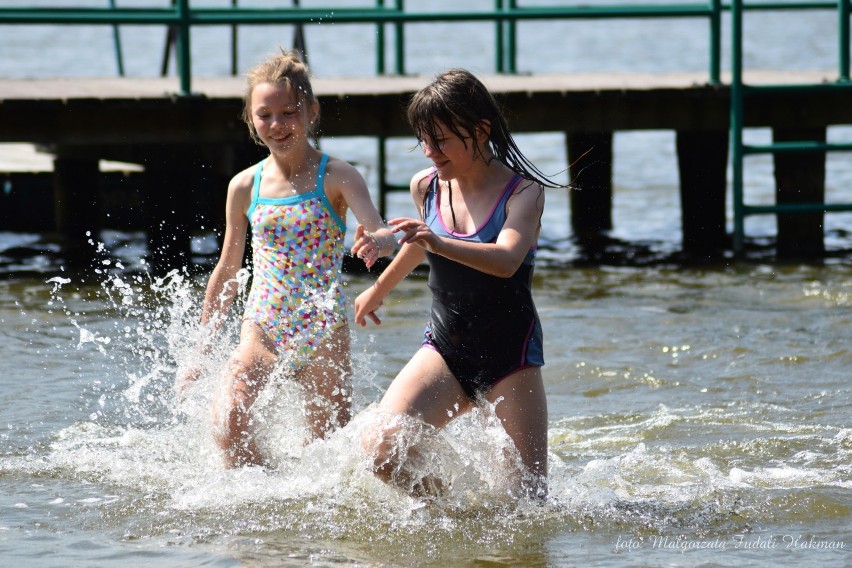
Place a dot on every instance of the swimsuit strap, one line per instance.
(318, 190)
(258, 173)
(321, 173)
(255, 191)
(434, 197)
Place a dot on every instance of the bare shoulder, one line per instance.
(420, 182)
(240, 188)
(528, 194)
(527, 189)
(243, 181)
(339, 171)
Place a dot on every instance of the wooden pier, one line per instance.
(189, 146)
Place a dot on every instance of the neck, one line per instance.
(483, 178)
(298, 163)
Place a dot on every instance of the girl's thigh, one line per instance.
(426, 389)
(522, 409)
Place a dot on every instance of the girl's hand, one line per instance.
(415, 231)
(366, 246)
(366, 305)
(186, 377)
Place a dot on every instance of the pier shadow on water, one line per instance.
(34, 254)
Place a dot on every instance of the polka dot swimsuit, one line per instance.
(297, 258)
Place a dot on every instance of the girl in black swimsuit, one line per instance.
(480, 213)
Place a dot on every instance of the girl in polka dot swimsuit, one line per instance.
(295, 202)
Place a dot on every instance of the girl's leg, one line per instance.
(327, 382)
(425, 389)
(523, 413)
(248, 371)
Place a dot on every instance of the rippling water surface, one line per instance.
(687, 407)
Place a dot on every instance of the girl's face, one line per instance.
(280, 117)
(451, 155)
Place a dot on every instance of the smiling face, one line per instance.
(280, 117)
(450, 153)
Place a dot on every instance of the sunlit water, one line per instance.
(696, 415)
(687, 408)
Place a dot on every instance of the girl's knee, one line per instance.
(380, 446)
(242, 381)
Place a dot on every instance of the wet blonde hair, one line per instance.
(284, 70)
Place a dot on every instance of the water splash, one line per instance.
(151, 470)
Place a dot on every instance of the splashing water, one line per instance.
(145, 438)
(146, 468)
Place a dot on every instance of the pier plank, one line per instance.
(145, 121)
(107, 111)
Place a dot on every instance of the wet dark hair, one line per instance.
(283, 70)
(461, 102)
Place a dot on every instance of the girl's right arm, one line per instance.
(407, 259)
(222, 287)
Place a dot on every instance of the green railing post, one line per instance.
(512, 41)
(116, 40)
(737, 124)
(182, 47)
(234, 39)
(843, 8)
(299, 43)
(715, 42)
(380, 42)
(499, 63)
(399, 39)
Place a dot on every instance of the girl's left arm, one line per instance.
(348, 190)
(501, 258)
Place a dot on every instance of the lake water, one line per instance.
(698, 415)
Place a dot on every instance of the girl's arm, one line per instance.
(347, 189)
(407, 259)
(222, 287)
(501, 258)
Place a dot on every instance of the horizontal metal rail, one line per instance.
(183, 17)
(505, 13)
(796, 147)
(798, 208)
(291, 15)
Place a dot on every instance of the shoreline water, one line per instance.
(686, 405)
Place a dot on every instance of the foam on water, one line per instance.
(143, 465)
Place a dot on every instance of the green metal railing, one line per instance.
(739, 92)
(505, 15)
(180, 18)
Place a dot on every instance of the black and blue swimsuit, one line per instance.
(484, 327)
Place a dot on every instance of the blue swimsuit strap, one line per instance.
(255, 191)
(319, 191)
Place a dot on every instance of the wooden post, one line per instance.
(77, 205)
(590, 170)
(800, 178)
(702, 158)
